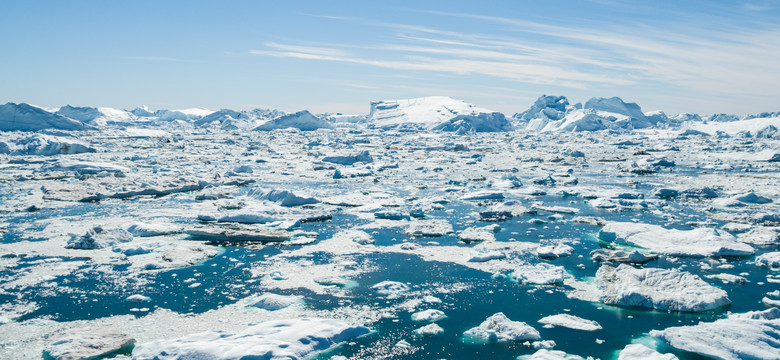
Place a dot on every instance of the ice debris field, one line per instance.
(429, 228)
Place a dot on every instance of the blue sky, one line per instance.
(337, 56)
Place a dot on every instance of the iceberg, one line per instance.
(24, 117)
(440, 113)
(571, 322)
(88, 343)
(302, 120)
(662, 289)
(741, 336)
(699, 242)
(498, 328)
(292, 339)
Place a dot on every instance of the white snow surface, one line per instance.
(662, 289)
(273, 340)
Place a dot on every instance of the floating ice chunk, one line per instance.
(98, 238)
(138, 298)
(768, 314)
(429, 228)
(698, 242)
(292, 339)
(362, 156)
(483, 195)
(246, 217)
(302, 120)
(332, 280)
(749, 198)
(430, 315)
(358, 236)
(539, 274)
(85, 167)
(498, 328)
(556, 209)
(732, 338)
(390, 287)
(608, 255)
(571, 322)
(281, 197)
(728, 278)
(478, 234)
(641, 352)
(544, 354)
(771, 259)
(429, 330)
(761, 236)
(554, 251)
(273, 302)
(47, 145)
(484, 254)
(663, 289)
(235, 232)
(87, 343)
(142, 229)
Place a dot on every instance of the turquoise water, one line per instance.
(225, 279)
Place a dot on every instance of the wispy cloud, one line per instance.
(709, 61)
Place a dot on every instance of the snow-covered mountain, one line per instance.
(25, 117)
(435, 113)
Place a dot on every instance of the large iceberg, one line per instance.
(47, 145)
(662, 289)
(302, 120)
(24, 117)
(554, 114)
(99, 116)
(280, 339)
(753, 335)
(699, 242)
(435, 113)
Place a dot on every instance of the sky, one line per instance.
(337, 56)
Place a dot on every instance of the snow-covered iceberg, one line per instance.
(662, 289)
(498, 328)
(280, 339)
(753, 335)
(698, 242)
(302, 120)
(435, 113)
(24, 117)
